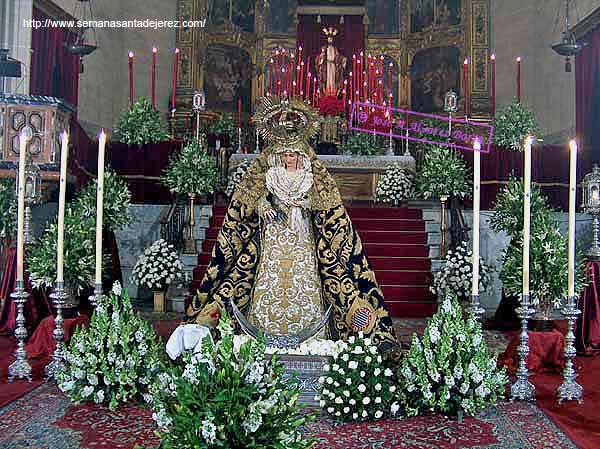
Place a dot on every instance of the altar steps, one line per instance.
(396, 242)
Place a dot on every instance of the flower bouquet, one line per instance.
(115, 359)
(443, 172)
(227, 397)
(456, 275)
(158, 267)
(331, 105)
(141, 124)
(513, 124)
(396, 185)
(356, 386)
(450, 370)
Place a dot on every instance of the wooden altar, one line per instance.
(356, 177)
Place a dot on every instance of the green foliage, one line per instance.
(508, 210)
(141, 124)
(443, 172)
(225, 124)
(192, 171)
(357, 386)
(114, 360)
(450, 370)
(548, 252)
(548, 261)
(363, 144)
(79, 255)
(117, 198)
(8, 208)
(513, 124)
(225, 397)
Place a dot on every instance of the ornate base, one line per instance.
(159, 302)
(523, 390)
(20, 368)
(57, 364)
(570, 390)
(307, 369)
(189, 246)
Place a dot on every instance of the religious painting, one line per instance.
(227, 77)
(427, 14)
(280, 16)
(242, 13)
(218, 11)
(434, 72)
(383, 16)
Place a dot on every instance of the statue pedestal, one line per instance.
(308, 369)
(356, 176)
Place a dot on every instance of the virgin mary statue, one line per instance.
(287, 251)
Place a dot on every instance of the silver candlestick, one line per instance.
(522, 389)
(20, 368)
(257, 142)
(96, 296)
(57, 364)
(476, 308)
(570, 390)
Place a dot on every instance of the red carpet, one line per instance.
(395, 241)
(46, 419)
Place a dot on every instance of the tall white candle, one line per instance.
(21, 205)
(526, 214)
(476, 192)
(100, 206)
(64, 156)
(572, 199)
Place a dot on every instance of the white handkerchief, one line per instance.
(186, 337)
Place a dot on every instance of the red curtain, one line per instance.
(587, 87)
(54, 71)
(350, 39)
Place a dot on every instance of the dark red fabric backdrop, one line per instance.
(54, 71)
(350, 39)
(587, 86)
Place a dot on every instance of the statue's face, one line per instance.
(290, 160)
(330, 40)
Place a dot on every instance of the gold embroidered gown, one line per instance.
(287, 294)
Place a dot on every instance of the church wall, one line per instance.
(104, 85)
(526, 29)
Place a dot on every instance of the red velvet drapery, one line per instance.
(587, 87)
(350, 39)
(54, 71)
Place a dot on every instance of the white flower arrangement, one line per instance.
(396, 184)
(456, 276)
(313, 346)
(158, 267)
(115, 359)
(226, 396)
(356, 385)
(236, 177)
(450, 370)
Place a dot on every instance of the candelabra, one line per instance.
(94, 298)
(522, 389)
(476, 308)
(570, 390)
(57, 364)
(190, 242)
(20, 368)
(443, 227)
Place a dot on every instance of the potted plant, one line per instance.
(192, 172)
(79, 256)
(157, 268)
(396, 185)
(141, 124)
(548, 251)
(443, 174)
(513, 124)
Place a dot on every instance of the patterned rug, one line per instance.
(45, 419)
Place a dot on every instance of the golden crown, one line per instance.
(330, 32)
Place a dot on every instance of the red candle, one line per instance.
(298, 80)
(276, 66)
(466, 85)
(344, 91)
(300, 53)
(493, 93)
(353, 73)
(359, 72)
(314, 91)
(390, 79)
(519, 79)
(301, 79)
(308, 84)
(239, 112)
(175, 68)
(365, 87)
(131, 78)
(154, 50)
